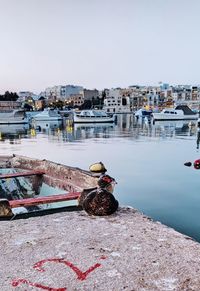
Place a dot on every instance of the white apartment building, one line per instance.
(116, 102)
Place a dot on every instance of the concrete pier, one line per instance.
(73, 251)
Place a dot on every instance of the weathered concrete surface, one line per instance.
(125, 251)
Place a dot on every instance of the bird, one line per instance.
(100, 201)
(196, 164)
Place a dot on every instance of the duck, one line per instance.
(100, 201)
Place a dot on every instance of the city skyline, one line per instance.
(98, 44)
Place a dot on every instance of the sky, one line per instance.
(98, 43)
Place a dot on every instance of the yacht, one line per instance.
(92, 116)
(180, 112)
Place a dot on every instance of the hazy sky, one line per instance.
(98, 43)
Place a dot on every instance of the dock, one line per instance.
(76, 252)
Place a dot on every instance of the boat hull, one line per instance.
(48, 119)
(56, 175)
(92, 120)
(160, 117)
(95, 119)
(13, 121)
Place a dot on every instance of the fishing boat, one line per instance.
(180, 112)
(21, 179)
(16, 116)
(92, 116)
(47, 115)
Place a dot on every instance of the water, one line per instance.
(145, 159)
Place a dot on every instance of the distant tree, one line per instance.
(9, 96)
(86, 105)
(58, 104)
(28, 107)
(103, 94)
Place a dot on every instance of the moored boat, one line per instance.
(92, 116)
(22, 177)
(180, 112)
(16, 116)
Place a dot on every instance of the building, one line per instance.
(116, 102)
(9, 105)
(75, 100)
(90, 94)
(62, 92)
(25, 95)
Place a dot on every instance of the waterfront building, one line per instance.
(9, 105)
(25, 95)
(62, 92)
(116, 102)
(75, 100)
(90, 94)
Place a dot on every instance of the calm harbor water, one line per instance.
(145, 159)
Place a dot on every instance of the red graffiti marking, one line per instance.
(15, 283)
(38, 266)
(80, 275)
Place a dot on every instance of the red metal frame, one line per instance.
(44, 200)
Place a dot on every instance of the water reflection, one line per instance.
(149, 169)
(175, 128)
(126, 126)
(47, 126)
(13, 132)
(85, 131)
(198, 139)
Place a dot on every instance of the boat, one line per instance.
(143, 113)
(16, 116)
(47, 115)
(92, 116)
(180, 112)
(21, 179)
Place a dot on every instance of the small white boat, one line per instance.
(180, 112)
(92, 116)
(47, 115)
(16, 116)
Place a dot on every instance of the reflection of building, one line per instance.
(125, 121)
(44, 124)
(84, 131)
(13, 131)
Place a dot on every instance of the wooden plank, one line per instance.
(45, 199)
(21, 174)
